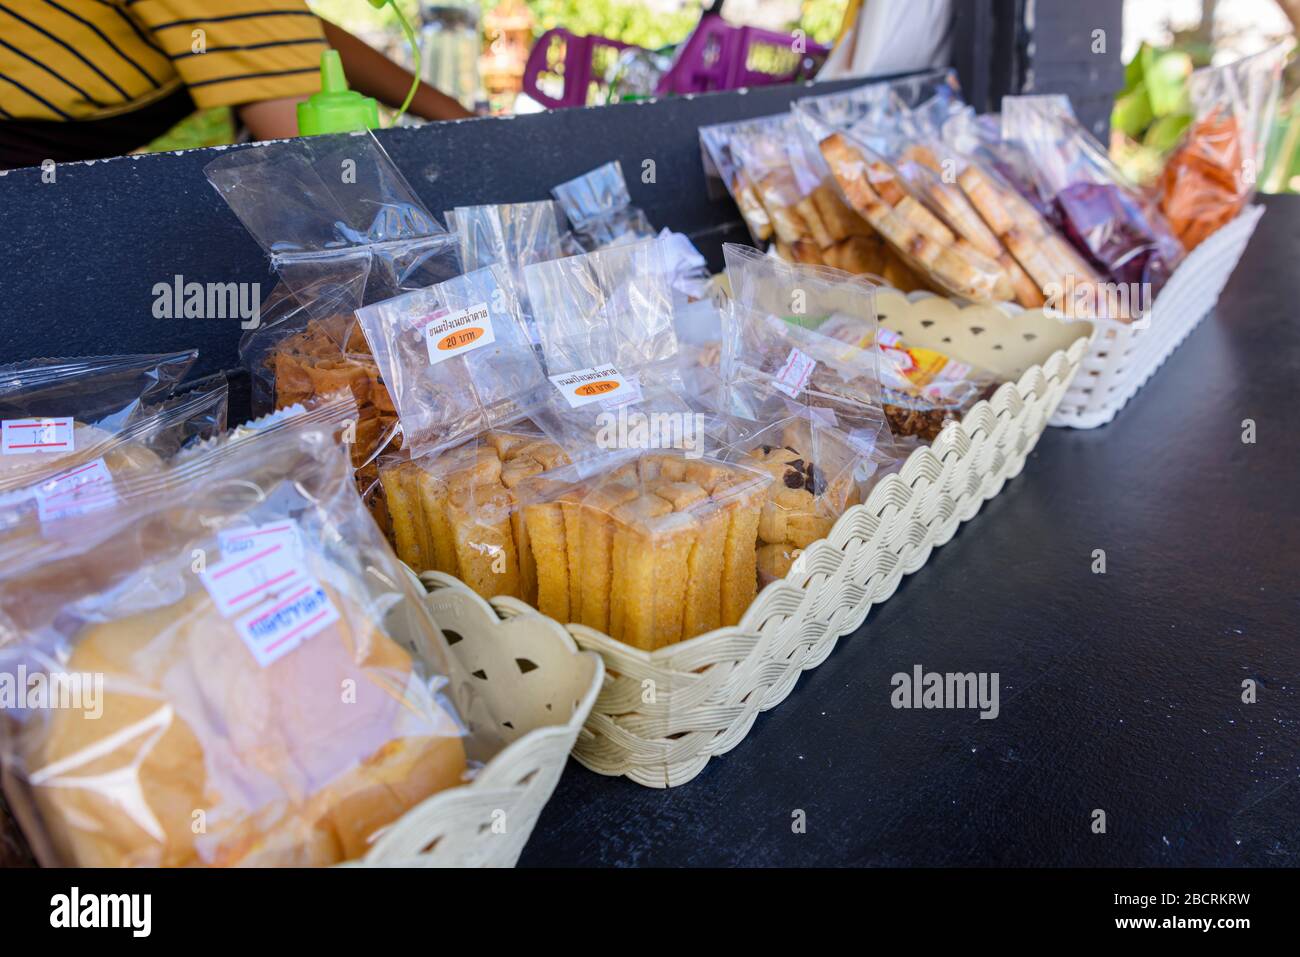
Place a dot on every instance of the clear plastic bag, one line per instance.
(900, 204)
(606, 321)
(71, 426)
(1211, 176)
(453, 512)
(301, 353)
(651, 548)
(513, 235)
(786, 194)
(234, 643)
(611, 306)
(456, 358)
(337, 219)
(921, 390)
(1104, 216)
(1047, 265)
(599, 208)
(770, 348)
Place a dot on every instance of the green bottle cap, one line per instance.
(336, 109)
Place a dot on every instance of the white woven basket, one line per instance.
(538, 687)
(662, 715)
(1123, 357)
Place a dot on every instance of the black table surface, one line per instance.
(1119, 691)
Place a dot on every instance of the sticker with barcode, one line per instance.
(794, 373)
(25, 436)
(246, 539)
(601, 384)
(86, 488)
(277, 629)
(455, 333)
(242, 580)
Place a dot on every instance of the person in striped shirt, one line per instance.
(82, 79)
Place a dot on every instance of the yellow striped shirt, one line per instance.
(93, 59)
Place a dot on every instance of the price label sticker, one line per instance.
(603, 384)
(271, 632)
(86, 488)
(794, 373)
(247, 539)
(27, 436)
(455, 333)
(247, 578)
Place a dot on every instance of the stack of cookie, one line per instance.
(455, 513)
(874, 191)
(655, 551)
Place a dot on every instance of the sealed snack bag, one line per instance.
(599, 208)
(513, 235)
(613, 305)
(897, 208)
(1103, 215)
(1211, 176)
(456, 358)
(234, 643)
(71, 427)
(773, 305)
(786, 194)
(818, 473)
(921, 390)
(454, 512)
(650, 548)
(1052, 265)
(336, 218)
(606, 322)
(300, 353)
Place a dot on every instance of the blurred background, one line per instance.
(508, 56)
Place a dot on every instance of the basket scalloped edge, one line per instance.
(486, 822)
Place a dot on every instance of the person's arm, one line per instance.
(271, 119)
(373, 74)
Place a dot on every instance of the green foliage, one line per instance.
(213, 127)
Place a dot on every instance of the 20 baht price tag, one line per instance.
(455, 333)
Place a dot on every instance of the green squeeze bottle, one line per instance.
(336, 109)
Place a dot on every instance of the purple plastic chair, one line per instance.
(714, 57)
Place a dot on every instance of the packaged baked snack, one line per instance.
(599, 208)
(455, 512)
(768, 346)
(455, 356)
(72, 427)
(815, 479)
(299, 354)
(1211, 175)
(786, 194)
(249, 676)
(1105, 217)
(606, 322)
(904, 214)
(650, 548)
(921, 390)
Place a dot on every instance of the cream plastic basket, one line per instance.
(661, 715)
(1124, 357)
(524, 671)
